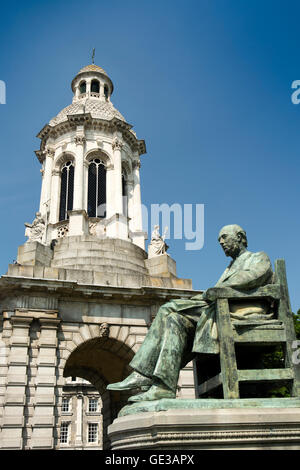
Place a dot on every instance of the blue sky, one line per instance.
(206, 83)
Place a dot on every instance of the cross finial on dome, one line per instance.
(93, 56)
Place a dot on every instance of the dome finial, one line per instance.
(93, 56)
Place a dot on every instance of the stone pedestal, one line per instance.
(162, 265)
(249, 424)
(117, 227)
(34, 254)
(78, 222)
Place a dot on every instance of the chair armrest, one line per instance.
(270, 291)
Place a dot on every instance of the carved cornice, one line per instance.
(112, 126)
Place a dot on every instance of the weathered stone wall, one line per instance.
(52, 330)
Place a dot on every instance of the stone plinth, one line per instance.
(162, 265)
(34, 254)
(89, 259)
(233, 424)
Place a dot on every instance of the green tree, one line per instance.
(275, 359)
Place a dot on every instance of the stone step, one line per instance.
(95, 263)
(99, 255)
(107, 270)
(107, 244)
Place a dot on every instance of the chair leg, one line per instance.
(227, 351)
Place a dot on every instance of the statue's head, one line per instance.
(233, 240)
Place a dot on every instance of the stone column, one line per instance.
(117, 223)
(46, 183)
(117, 149)
(137, 200)
(138, 236)
(88, 87)
(79, 412)
(45, 399)
(79, 173)
(102, 96)
(110, 194)
(16, 384)
(55, 193)
(130, 204)
(78, 222)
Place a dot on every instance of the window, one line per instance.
(93, 404)
(95, 86)
(82, 87)
(65, 405)
(124, 194)
(106, 91)
(64, 433)
(66, 190)
(92, 432)
(97, 189)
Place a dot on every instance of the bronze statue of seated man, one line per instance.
(182, 327)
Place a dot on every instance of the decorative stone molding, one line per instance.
(50, 152)
(92, 228)
(62, 231)
(117, 144)
(79, 140)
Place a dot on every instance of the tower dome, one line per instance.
(92, 90)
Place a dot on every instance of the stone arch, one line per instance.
(102, 155)
(63, 158)
(100, 360)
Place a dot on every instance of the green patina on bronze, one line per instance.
(172, 404)
(184, 328)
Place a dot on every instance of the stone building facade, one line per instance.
(80, 298)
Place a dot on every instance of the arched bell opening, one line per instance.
(101, 361)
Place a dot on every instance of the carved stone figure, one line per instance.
(182, 327)
(35, 231)
(104, 330)
(157, 246)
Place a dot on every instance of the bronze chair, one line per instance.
(241, 340)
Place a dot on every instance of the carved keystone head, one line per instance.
(104, 329)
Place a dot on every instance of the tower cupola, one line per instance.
(92, 82)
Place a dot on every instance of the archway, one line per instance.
(101, 361)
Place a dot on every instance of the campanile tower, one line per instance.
(91, 166)
(80, 297)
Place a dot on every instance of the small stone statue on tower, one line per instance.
(35, 231)
(157, 245)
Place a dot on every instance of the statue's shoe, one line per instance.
(134, 380)
(156, 392)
